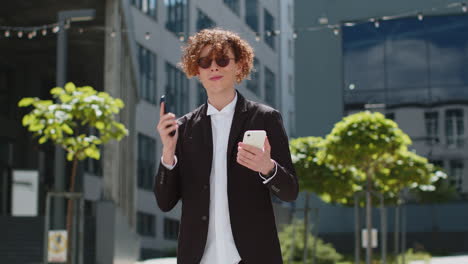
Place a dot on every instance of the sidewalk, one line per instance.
(444, 260)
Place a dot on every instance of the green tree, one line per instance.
(363, 152)
(292, 247)
(377, 150)
(66, 123)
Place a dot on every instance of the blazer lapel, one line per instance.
(207, 133)
(240, 116)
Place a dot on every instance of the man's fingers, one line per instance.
(168, 129)
(251, 149)
(161, 109)
(165, 123)
(246, 154)
(242, 161)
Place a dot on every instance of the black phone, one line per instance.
(161, 100)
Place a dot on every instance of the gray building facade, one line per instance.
(408, 59)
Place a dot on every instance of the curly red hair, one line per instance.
(221, 40)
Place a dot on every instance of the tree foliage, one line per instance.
(362, 145)
(292, 237)
(65, 122)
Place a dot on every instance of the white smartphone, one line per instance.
(255, 138)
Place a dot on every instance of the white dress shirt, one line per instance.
(220, 246)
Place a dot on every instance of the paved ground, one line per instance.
(444, 260)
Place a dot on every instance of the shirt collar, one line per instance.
(228, 109)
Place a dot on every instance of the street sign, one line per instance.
(57, 252)
(373, 237)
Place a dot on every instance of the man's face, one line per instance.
(217, 78)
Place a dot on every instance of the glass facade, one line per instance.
(254, 83)
(147, 64)
(270, 89)
(146, 161)
(148, 7)
(234, 5)
(418, 70)
(251, 14)
(176, 90)
(269, 29)
(204, 21)
(176, 16)
(406, 61)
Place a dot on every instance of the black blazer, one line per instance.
(251, 212)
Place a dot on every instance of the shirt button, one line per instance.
(205, 186)
(204, 218)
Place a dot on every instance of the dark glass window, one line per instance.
(251, 14)
(176, 16)
(431, 120)
(148, 7)
(454, 130)
(270, 89)
(269, 29)
(254, 83)
(234, 5)
(204, 21)
(146, 161)
(456, 174)
(146, 224)
(147, 63)
(171, 229)
(176, 90)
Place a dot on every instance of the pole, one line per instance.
(369, 220)
(357, 226)
(306, 228)
(315, 235)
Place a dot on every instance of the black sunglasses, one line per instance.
(222, 61)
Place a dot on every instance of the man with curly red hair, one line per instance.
(224, 185)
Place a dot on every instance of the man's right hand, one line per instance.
(167, 124)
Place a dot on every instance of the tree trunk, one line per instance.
(306, 227)
(70, 213)
(369, 218)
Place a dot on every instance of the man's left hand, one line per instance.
(256, 159)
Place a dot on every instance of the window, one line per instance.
(171, 229)
(269, 29)
(176, 90)
(270, 90)
(456, 174)
(204, 21)
(202, 98)
(146, 161)
(147, 62)
(148, 7)
(176, 12)
(454, 129)
(146, 224)
(431, 119)
(254, 83)
(233, 5)
(251, 14)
